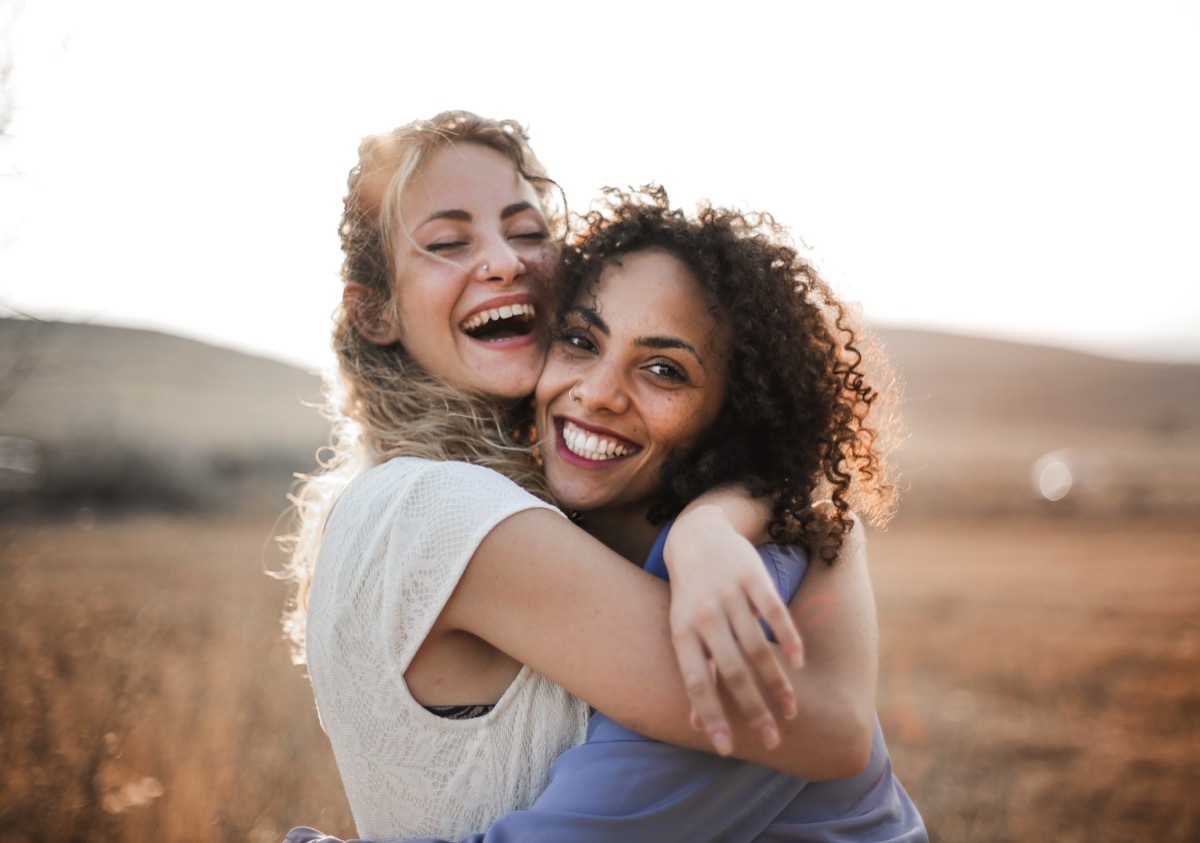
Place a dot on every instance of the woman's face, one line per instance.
(637, 373)
(473, 284)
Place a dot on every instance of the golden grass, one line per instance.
(148, 695)
(1040, 680)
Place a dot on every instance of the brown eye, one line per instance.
(576, 339)
(667, 371)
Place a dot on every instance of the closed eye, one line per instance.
(445, 246)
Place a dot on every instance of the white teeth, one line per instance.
(590, 446)
(508, 311)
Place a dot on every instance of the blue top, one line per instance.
(621, 785)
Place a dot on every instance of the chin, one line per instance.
(506, 383)
(568, 499)
(520, 388)
(513, 380)
(573, 498)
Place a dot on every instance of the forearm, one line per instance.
(548, 595)
(834, 610)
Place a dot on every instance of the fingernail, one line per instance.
(789, 708)
(770, 736)
(721, 743)
(797, 658)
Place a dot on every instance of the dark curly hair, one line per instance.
(794, 422)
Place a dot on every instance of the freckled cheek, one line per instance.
(679, 421)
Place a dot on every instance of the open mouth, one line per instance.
(594, 446)
(501, 323)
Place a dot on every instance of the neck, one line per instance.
(624, 530)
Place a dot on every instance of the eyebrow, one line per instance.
(459, 215)
(515, 208)
(593, 318)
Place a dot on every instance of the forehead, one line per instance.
(654, 292)
(464, 176)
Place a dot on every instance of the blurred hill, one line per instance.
(110, 417)
(101, 416)
(989, 421)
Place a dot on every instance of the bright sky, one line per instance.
(1026, 169)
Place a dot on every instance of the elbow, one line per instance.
(846, 745)
(856, 752)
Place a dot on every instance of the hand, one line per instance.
(719, 592)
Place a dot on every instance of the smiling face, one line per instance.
(637, 374)
(474, 272)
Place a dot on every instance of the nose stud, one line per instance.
(485, 267)
(571, 394)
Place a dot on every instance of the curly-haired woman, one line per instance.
(692, 353)
(456, 627)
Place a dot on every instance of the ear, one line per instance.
(369, 315)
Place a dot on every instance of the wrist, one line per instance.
(696, 532)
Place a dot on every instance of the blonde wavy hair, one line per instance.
(380, 402)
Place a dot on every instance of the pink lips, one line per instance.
(601, 434)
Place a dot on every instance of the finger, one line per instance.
(736, 675)
(764, 659)
(698, 682)
(774, 612)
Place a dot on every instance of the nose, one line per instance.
(602, 390)
(499, 263)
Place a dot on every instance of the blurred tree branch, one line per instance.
(9, 12)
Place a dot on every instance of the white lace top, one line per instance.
(395, 546)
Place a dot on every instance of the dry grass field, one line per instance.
(1040, 662)
(1040, 681)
